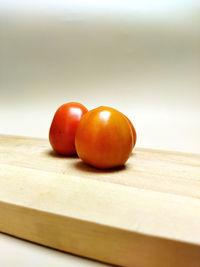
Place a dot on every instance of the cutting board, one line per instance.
(145, 214)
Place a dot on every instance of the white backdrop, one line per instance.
(142, 58)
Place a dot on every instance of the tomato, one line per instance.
(63, 127)
(104, 138)
(133, 131)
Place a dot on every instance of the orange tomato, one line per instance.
(104, 138)
(63, 127)
(133, 131)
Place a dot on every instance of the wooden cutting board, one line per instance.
(146, 214)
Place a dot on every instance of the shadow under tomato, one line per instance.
(88, 168)
(53, 154)
(132, 154)
(82, 166)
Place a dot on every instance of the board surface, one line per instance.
(144, 214)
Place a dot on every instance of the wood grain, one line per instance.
(145, 214)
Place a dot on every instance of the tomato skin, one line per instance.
(63, 127)
(104, 138)
(133, 131)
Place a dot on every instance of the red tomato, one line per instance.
(104, 138)
(63, 127)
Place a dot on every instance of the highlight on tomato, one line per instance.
(133, 131)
